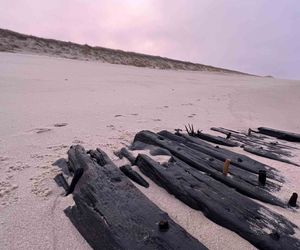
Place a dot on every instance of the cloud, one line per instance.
(258, 36)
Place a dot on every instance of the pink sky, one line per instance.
(255, 36)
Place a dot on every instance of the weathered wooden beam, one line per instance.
(133, 175)
(111, 213)
(238, 160)
(125, 153)
(218, 165)
(63, 164)
(191, 157)
(256, 140)
(268, 154)
(222, 204)
(280, 134)
(61, 182)
(77, 175)
(217, 139)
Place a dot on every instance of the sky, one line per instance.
(255, 36)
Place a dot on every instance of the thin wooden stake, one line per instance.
(262, 177)
(226, 167)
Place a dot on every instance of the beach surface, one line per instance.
(49, 103)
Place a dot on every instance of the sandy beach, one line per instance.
(49, 103)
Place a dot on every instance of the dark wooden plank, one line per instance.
(218, 165)
(280, 134)
(133, 175)
(190, 156)
(221, 204)
(257, 140)
(216, 139)
(268, 154)
(238, 160)
(125, 153)
(111, 213)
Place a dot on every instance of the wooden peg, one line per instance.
(226, 167)
(262, 177)
(163, 225)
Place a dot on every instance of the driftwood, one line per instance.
(77, 175)
(218, 165)
(280, 134)
(255, 144)
(238, 160)
(217, 139)
(111, 213)
(61, 182)
(191, 157)
(223, 205)
(63, 164)
(133, 175)
(268, 154)
(125, 153)
(256, 140)
(207, 137)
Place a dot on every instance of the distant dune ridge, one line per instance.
(11, 41)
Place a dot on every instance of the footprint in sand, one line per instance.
(187, 104)
(163, 107)
(58, 147)
(3, 158)
(77, 141)
(18, 167)
(40, 186)
(191, 116)
(41, 130)
(7, 193)
(62, 124)
(111, 127)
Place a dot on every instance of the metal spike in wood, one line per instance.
(163, 225)
(293, 200)
(226, 167)
(262, 177)
(190, 130)
(177, 131)
(187, 130)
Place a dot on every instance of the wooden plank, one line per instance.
(111, 213)
(216, 139)
(257, 141)
(280, 134)
(267, 154)
(134, 176)
(191, 157)
(221, 204)
(238, 160)
(242, 174)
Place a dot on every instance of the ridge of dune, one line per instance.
(11, 41)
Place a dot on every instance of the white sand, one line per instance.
(104, 106)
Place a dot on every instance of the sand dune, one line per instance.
(15, 42)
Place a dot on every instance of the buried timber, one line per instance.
(229, 188)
